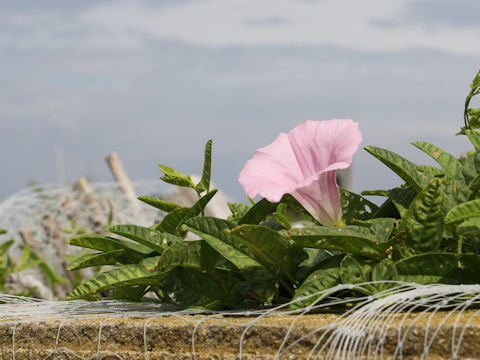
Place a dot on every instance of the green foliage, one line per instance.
(426, 231)
(28, 259)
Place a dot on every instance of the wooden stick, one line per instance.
(28, 239)
(121, 177)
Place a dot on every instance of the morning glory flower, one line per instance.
(303, 163)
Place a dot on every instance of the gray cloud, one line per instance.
(26, 6)
(268, 21)
(160, 102)
(435, 14)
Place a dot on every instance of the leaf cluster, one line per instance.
(425, 231)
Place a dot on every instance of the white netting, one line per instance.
(374, 327)
(37, 216)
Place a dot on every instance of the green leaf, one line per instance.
(450, 165)
(280, 216)
(238, 211)
(352, 239)
(268, 247)
(381, 228)
(159, 203)
(430, 170)
(2, 231)
(104, 243)
(130, 293)
(470, 226)
(474, 188)
(463, 211)
(439, 267)
(5, 246)
(145, 236)
(294, 204)
(97, 259)
(194, 289)
(421, 228)
(469, 171)
(356, 207)
(322, 279)
(375, 193)
(170, 222)
(127, 275)
(257, 212)
(47, 271)
(314, 258)
(351, 271)
(214, 232)
(401, 166)
(402, 198)
(474, 137)
(175, 177)
(204, 184)
(173, 222)
(196, 254)
(384, 271)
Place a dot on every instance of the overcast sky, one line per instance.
(154, 80)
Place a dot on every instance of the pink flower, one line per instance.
(303, 163)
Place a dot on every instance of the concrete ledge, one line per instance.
(219, 337)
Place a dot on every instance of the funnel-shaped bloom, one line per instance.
(303, 163)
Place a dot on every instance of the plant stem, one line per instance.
(460, 245)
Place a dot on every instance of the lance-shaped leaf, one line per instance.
(421, 228)
(175, 177)
(402, 198)
(356, 207)
(352, 239)
(351, 271)
(439, 267)
(5, 246)
(474, 189)
(99, 259)
(196, 254)
(105, 243)
(257, 212)
(204, 184)
(195, 289)
(470, 226)
(2, 231)
(268, 247)
(381, 228)
(450, 165)
(401, 166)
(170, 222)
(238, 211)
(173, 222)
(463, 211)
(382, 271)
(474, 136)
(215, 232)
(127, 275)
(159, 203)
(469, 171)
(145, 236)
(322, 279)
(430, 170)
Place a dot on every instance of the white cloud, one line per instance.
(346, 23)
(217, 23)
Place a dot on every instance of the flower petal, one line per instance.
(321, 199)
(272, 172)
(324, 145)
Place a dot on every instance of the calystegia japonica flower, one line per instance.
(303, 163)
